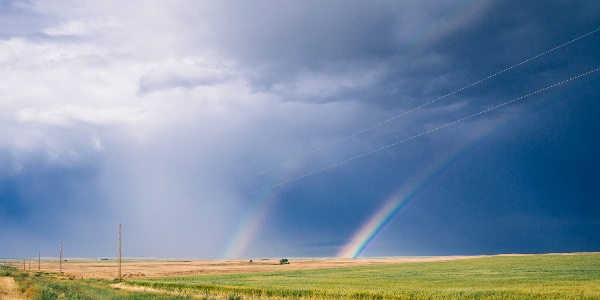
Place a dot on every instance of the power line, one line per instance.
(419, 134)
(413, 109)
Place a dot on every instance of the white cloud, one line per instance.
(326, 86)
(72, 115)
(83, 27)
(188, 72)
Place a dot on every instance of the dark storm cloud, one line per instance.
(278, 44)
(508, 33)
(514, 31)
(281, 46)
(306, 34)
(151, 113)
(505, 34)
(37, 196)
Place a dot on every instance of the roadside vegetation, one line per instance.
(496, 277)
(46, 286)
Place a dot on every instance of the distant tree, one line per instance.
(283, 261)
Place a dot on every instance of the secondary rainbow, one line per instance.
(420, 37)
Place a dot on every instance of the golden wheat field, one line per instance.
(133, 268)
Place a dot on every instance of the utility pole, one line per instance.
(39, 261)
(120, 252)
(60, 259)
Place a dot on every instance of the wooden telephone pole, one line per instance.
(60, 259)
(120, 252)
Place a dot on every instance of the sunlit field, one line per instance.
(575, 276)
(498, 277)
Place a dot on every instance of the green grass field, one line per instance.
(47, 286)
(497, 277)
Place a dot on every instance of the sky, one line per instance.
(228, 129)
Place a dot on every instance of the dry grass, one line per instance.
(8, 289)
(82, 268)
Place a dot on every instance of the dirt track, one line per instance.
(8, 289)
(80, 268)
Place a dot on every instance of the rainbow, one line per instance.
(375, 225)
(361, 240)
(249, 227)
(420, 37)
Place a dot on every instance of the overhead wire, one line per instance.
(415, 108)
(420, 134)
